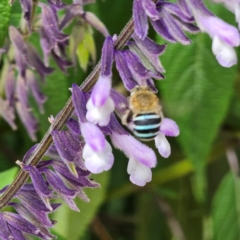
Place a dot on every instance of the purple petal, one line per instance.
(134, 148)
(79, 102)
(93, 136)
(101, 91)
(116, 126)
(169, 127)
(162, 145)
(124, 71)
(95, 22)
(217, 27)
(140, 19)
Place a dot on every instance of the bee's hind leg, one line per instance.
(126, 118)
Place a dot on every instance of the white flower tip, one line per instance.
(162, 145)
(225, 54)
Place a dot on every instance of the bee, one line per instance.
(144, 113)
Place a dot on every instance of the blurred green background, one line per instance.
(195, 194)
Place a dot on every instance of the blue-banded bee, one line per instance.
(144, 113)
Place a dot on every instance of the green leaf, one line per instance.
(72, 225)
(5, 10)
(196, 94)
(7, 176)
(226, 209)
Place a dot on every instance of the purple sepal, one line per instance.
(188, 27)
(10, 86)
(21, 224)
(120, 101)
(58, 185)
(124, 71)
(36, 220)
(51, 25)
(93, 136)
(61, 144)
(75, 182)
(28, 120)
(169, 128)
(39, 184)
(139, 72)
(150, 9)
(16, 233)
(134, 148)
(115, 126)
(73, 126)
(199, 6)
(79, 102)
(29, 153)
(34, 60)
(140, 19)
(4, 231)
(185, 8)
(7, 113)
(173, 27)
(161, 28)
(22, 92)
(45, 44)
(62, 63)
(150, 52)
(72, 11)
(39, 97)
(52, 152)
(27, 8)
(175, 9)
(95, 22)
(107, 57)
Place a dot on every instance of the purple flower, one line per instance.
(100, 105)
(141, 157)
(97, 152)
(225, 37)
(233, 6)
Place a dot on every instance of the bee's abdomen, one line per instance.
(146, 126)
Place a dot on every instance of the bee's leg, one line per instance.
(126, 118)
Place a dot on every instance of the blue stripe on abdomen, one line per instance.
(146, 127)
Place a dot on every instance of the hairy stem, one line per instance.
(60, 120)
